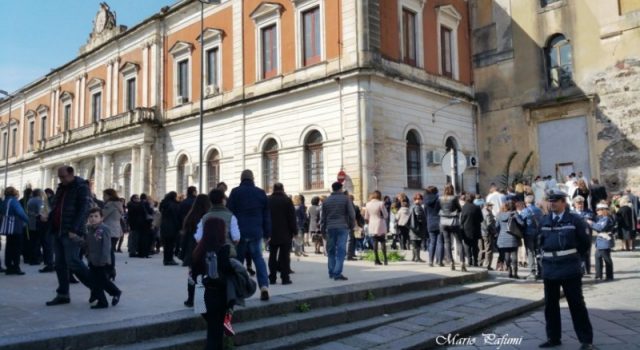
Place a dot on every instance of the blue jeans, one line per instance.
(436, 247)
(68, 260)
(336, 250)
(254, 247)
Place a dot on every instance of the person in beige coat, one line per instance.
(376, 216)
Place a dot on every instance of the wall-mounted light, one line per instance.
(453, 101)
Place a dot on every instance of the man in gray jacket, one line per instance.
(338, 217)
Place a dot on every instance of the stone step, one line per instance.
(294, 328)
(184, 322)
(431, 325)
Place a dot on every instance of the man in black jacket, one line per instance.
(68, 218)
(283, 228)
(598, 193)
(471, 222)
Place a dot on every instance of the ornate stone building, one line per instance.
(558, 80)
(295, 90)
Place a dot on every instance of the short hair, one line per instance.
(529, 199)
(508, 206)
(192, 190)
(375, 195)
(315, 200)
(95, 210)
(49, 192)
(278, 187)
(417, 195)
(469, 197)
(10, 191)
(336, 186)
(432, 190)
(143, 197)
(111, 193)
(37, 192)
(578, 199)
(216, 196)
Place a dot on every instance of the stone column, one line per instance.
(145, 74)
(107, 90)
(145, 168)
(83, 92)
(97, 175)
(135, 165)
(114, 97)
(107, 170)
(74, 122)
(46, 177)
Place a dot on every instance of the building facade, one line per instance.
(557, 82)
(295, 90)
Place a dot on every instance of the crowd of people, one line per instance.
(58, 229)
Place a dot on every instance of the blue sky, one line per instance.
(38, 35)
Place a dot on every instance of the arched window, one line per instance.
(559, 62)
(213, 169)
(126, 175)
(182, 179)
(414, 166)
(313, 161)
(269, 164)
(452, 146)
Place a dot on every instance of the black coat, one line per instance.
(185, 206)
(170, 225)
(471, 221)
(283, 218)
(75, 200)
(138, 216)
(598, 193)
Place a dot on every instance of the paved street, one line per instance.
(151, 290)
(614, 310)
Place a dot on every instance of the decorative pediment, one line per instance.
(66, 96)
(95, 83)
(42, 109)
(450, 12)
(266, 9)
(212, 34)
(416, 4)
(181, 47)
(30, 114)
(129, 67)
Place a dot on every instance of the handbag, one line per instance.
(8, 223)
(513, 227)
(199, 306)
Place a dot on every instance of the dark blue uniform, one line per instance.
(563, 240)
(586, 214)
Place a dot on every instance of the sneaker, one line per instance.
(228, 329)
(58, 301)
(264, 294)
(340, 278)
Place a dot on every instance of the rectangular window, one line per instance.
(131, 94)
(43, 128)
(269, 52)
(14, 137)
(445, 46)
(183, 80)
(32, 133)
(96, 107)
(67, 117)
(315, 170)
(409, 36)
(212, 67)
(311, 36)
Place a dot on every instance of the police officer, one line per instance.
(563, 240)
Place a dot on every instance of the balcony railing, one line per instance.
(123, 120)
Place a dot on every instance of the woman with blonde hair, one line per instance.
(376, 217)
